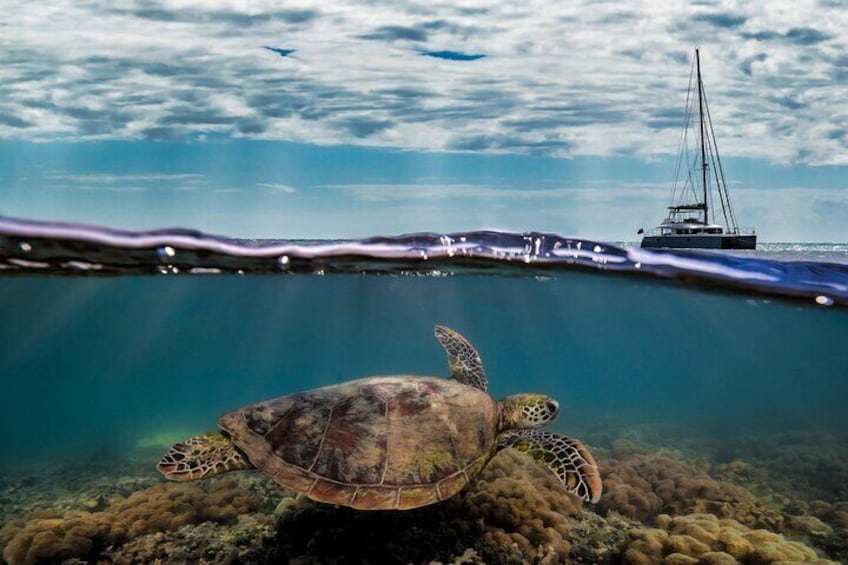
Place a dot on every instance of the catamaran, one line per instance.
(692, 220)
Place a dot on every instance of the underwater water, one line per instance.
(737, 388)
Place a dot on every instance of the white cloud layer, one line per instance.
(277, 187)
(559, 78)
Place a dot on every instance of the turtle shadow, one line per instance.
(319, 533)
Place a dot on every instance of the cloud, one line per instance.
(364, 127)
(251, 126)
(546, 86)
(788, 102)
(726, 20)
(123, 182)
(14, 121)
(110, 188)
(224, 17)
(504, 143)
(796, 35)
(276, 187)
(395, 32)
(667, 118)
(453, 55)
(106, 178)
(747, 64)
(806, 36)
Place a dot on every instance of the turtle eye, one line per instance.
(553, 406)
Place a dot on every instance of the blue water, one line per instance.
(101, 363)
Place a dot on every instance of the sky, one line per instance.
(348, 118)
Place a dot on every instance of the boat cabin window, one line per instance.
(691, 231)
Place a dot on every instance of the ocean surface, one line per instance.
(115, 344)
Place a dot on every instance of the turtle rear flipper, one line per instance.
(565, 457)
(202, 456)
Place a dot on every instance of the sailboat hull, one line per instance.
(701, 241)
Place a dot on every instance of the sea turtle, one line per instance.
(387, 443)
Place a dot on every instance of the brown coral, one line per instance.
(247, 540)
(704, 539)
(516, 512)
(826, 528)
(522, 506)
(46, 535)
(50, 536)
(642, 486)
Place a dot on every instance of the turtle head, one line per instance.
(527, 411)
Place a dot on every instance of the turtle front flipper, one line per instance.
(567, 458)
(465, 363)
(202, 456)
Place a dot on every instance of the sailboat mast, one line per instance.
(703, 137)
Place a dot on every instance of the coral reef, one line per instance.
(720, 505)
(642, 486)
(762, 481)
(515, 513)
(704, 539)
(50, 535)
(803, 473)
(249, 540)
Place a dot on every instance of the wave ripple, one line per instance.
(30, 247)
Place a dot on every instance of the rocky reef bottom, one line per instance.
(668, 499)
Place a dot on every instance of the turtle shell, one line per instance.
(382, 443)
